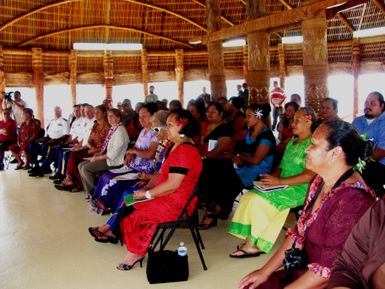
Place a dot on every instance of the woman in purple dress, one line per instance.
(336, 199)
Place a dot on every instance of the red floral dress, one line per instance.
(139, 227)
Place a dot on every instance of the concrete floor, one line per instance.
(44, 244)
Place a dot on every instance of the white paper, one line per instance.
(129, 176)
(123, 169)
(212, 145)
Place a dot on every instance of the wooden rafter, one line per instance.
(34, 11)
(224, 19)
(273, 21)
(87, 27)
(380, 5)
(168, 12)
(344, 7)
(346, 22)
(287, 5)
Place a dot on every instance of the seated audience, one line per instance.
(198, 110)
(336, 200)
(328, 109)
(174, 104)
(72, 181)
(8, 134)
(260, 215)
(28, 133)
(285, 130)
(217, 188)
(362, 261)
(296, 98)
(372, 127)
(256, 155)
(104, 233)
(112, 186)
(127, 112)
(167, 195)
(237, 119)
(111, 154)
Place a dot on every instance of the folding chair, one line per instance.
(184, 221)
(297, 212)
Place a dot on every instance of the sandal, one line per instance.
(245, 254)
(212, 223)
(94, 231)
(107, 239)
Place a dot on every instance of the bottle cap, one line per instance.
(181, 244)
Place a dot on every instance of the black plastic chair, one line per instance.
(184, 221)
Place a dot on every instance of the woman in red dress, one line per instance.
(168, 193)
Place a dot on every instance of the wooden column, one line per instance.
(356, 66)
(215, 51)
(259, 56)
(73, 64)
(2, 80)
(108, 63)
(245, 63)
(315, 60)
(144, 60)
(282, 65)
(179, 73)
(38, 81)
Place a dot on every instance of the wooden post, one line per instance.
(315, 60)
(38, 81)
(259, 55)
(108, 63)
(356, 66)
(215, 51)
(179, 73)
(73, 75)
(282, 65)
(144, 60)
(2, 81)
(245, 63)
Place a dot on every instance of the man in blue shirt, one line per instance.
(372, 123)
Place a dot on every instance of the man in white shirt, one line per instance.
(151, 97)
(17, 106)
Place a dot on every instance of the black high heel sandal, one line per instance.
(126, 267)
(212, 223)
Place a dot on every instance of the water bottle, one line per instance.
(182, 250)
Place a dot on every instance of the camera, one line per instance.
(8, 96)
(295, 259)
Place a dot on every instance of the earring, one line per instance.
(181, 135)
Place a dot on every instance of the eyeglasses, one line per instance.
(158, 128)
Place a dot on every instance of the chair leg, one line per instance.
(197, 245)
(199, 238)
(159, 239)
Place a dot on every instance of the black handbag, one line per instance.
(166, 266)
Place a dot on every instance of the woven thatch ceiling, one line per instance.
(159, 25)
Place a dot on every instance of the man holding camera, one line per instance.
(17, 105)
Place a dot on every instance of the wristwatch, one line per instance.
(147, 194)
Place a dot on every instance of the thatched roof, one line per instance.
(162, 27)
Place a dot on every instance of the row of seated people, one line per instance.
(336, 136)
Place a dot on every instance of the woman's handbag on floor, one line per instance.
(166, 266)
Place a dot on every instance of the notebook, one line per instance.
(129, 200)
(263, 188)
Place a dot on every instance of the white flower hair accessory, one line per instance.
(258, 113)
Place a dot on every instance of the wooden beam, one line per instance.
(108, 66)
(87, 27)
(144, 62)
(346, 22)
(282, 65)
(179, 73)
(356, 66)
(73, 64)
(224, 19)
(38, 81)
(34, 11)
(330, 13)
(380, 5)
(273, 21)
(287, 5)
(167, 11)
(2, 81)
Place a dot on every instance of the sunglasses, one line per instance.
(158, 128)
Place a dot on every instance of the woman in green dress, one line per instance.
(260, 216)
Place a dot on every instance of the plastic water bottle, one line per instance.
(182, 250)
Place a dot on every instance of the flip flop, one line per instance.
(245, 254)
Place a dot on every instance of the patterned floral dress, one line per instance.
(139, 227)
(260, 216)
